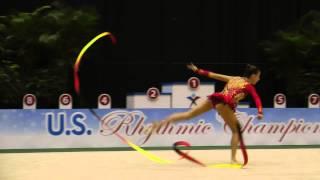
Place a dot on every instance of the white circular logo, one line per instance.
(153, 93)
(194, 82)
(65, 99)
(280, 99)
(314, 99)
(104, 99)
(29, 99)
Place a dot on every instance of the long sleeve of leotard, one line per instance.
(202, 72)
(213, 75)
(252, 91)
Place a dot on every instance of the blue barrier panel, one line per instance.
(79, 128)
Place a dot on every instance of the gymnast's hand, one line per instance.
(192, 67)
(151, 129)
(260, 116)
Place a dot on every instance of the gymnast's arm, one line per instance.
(252, 91)
(209, 74)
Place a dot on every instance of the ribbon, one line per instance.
(82, 52)
(196, 161)
(145, 153)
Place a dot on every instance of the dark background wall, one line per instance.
(157, 38)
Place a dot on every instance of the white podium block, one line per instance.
(65, 101)
(151, 99)
(104, 101)
(187, 95)
(280, 101)
(243, 105)
(29, 101)
(166, 88)
(314, 101)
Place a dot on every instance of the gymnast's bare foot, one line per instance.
(234, 161)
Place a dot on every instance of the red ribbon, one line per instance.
(192, 159)
(185, 155)
(242, 146)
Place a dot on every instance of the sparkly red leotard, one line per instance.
(235, 90)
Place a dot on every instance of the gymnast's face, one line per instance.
(255, 78)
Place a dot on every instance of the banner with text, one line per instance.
(79, 128)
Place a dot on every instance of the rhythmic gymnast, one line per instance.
(224, 102)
